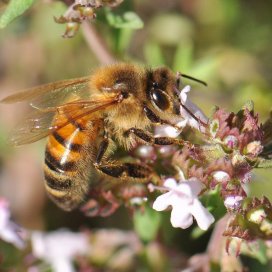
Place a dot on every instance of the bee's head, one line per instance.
(161, 90)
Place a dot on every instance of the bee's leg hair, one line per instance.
(157, 140)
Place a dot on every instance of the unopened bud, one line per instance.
(254, 148)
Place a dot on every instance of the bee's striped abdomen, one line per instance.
(64, 164)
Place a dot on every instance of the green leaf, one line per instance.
(214, 203)
(259, 252)
(128, 19)
(263, 163)
(197, 232)
(14, 9)
(147, 223)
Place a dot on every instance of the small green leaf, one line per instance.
(249, 105)
(263, 163)
(129, 19)
(197, 232)
(147, 223)
(261, 254)
(14, 9)
(214, 203)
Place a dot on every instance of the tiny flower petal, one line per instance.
(162, 202)
(166, 131)
(184, 93)
(233, 202)
(180, 218)
(221, 176)
(203, 217)
(231, 141)
(194, 110)
(190, 188)
(170, 183)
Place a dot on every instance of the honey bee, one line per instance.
(84, 118)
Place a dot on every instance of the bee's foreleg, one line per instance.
(157, 140)
(155, 119)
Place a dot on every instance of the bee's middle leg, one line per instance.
(117, 169)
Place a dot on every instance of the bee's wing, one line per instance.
(53, 94)
(41, 123)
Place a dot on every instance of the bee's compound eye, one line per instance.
(160, 98)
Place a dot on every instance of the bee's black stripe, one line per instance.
(57, 184)
(55, 165)
(67, 144)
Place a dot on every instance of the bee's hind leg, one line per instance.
(123, 170)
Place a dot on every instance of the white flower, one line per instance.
(59, 247)
(9, 231)
(186, 118)
(221, 176)
(233, 202)
(194, 109)
(182, 197)
(169, 131)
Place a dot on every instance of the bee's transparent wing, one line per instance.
(40, 123)
(53, 94)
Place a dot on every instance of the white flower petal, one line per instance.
(203, 217)
(183, 93)
(59, 247)
(194, 110)
(170, 183)
(181, 218)
(233, 201)
(11, 236)
(162, 202)
(196, 186)
(9, 231)
(221, 176)
(61, 265)
(166, 131)
(189, 188)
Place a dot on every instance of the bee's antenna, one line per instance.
(192, 78)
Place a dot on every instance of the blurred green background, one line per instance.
(226, 43)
